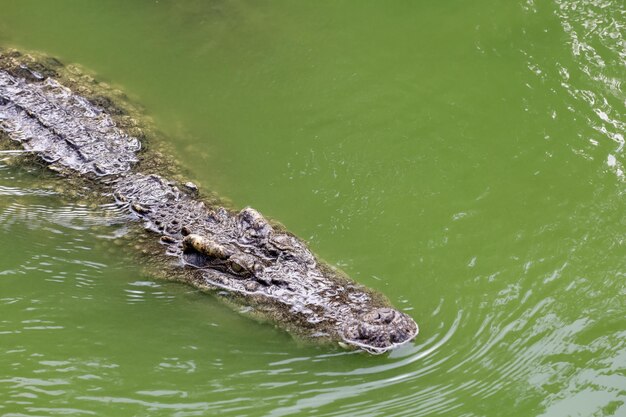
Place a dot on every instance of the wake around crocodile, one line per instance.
(85, 131)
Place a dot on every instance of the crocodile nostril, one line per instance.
(365, 332)
(380, 316)
(387, 315)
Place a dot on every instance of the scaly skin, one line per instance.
(241, 253)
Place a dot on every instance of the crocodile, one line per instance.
(84, 130)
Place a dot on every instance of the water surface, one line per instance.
(464, 158)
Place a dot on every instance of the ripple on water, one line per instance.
(142, 291)
(75, 216)
(593, 77)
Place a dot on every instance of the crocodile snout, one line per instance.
(380, 330)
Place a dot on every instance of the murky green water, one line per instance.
(465, 158)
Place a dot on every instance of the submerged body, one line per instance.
(214, 248)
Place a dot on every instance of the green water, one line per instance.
(464, 158)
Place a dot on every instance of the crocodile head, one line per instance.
(272, 269)
(262, 261)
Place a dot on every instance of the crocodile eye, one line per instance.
(236, 267)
